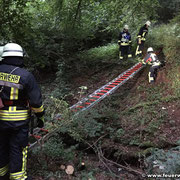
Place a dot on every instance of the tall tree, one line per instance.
(14, 19)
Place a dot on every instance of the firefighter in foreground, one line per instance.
(152, 59)
(142, 38)
(19, 93)
(124, 43)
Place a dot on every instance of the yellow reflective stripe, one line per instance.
(24, 166)
(36, 110)
(9, 113)
(124, 44)
(14, 93)
(129, 55)
(150, 77)
(11, 93)
(143, 34)
(143, 39)
(22, 175)
(13, 118)
(12, 109)
(3, 170)
(18, 176)
(13, 115)
(137, 52)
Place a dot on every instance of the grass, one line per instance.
(106, 53)
(175, 76)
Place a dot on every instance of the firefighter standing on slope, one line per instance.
(142, 38)
(19, 93)
(124, 43)
(152, 59)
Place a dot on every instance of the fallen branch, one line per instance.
(101, 157)
(121, 166)
(94, 142)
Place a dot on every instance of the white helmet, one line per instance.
(12, 49)
(126, 26)
(148, 23)
(150, 49)
(1, 51)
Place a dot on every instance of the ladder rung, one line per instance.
(115, 83)
(111, 86)
(80, 106)
(92, 99)
(123, 79)
(36, 136)
(96, 96)
(100, 93)
(44, 130)
(104, 91)
(88, 103)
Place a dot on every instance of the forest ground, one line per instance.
(161, 134)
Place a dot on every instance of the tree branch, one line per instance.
(77, 12)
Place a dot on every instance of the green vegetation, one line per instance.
(108, 53)
(70, 39)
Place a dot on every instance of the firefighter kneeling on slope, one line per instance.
(152, 59)
(124, 43)
(19, 93)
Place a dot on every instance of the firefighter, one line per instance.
(142, 38)
(124, 43)
(19, 93)
(152, 59)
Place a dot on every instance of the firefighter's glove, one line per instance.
(140, 59)
(163, 63)
(40, 122)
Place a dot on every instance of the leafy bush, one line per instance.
(161, 161)
(83, 127)
(100, 54)
(57, 107)
(167, 36)
(55, 148)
